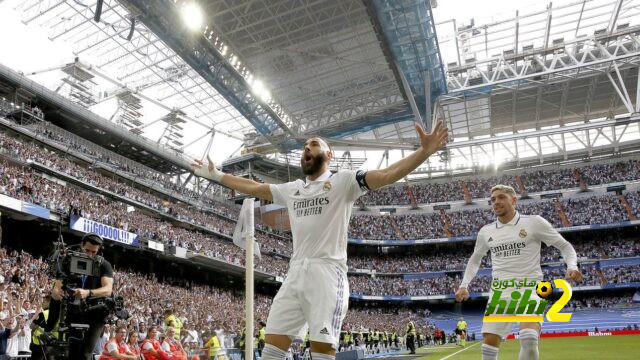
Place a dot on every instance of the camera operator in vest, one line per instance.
(82, 294)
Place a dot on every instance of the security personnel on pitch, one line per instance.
(461, 331)
(411, 337)
(262, 333)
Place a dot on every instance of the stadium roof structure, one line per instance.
(549, 85)
(333, 68)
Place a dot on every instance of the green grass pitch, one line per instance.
(570, 348)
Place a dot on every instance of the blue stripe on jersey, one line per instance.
(517, 221)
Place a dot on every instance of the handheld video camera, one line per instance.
(72, 266)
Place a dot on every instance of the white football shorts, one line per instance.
(314, 293)
(505, 328)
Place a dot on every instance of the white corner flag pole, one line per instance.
(244, 237)
(248, 233)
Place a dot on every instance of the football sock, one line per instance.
(528, 344)
(489, 352)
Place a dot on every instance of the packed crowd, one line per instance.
(633, 198)
(611, 173)
(605, 209)
(436, 259)
(182, 211)
(532, 181)
(25, 284)
(451, 258)
(448, 283)
(437, 192)
(546, 209)
(546, 180)
(143, 174)
(394, 194)
(372, 227)
(600, 302)
(596, 248)
(588, 210)
(20, 298)
(481, 187)
(23, 184)
(397, 286)
(469, 222)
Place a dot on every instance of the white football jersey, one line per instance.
(515, 248)
(319, 213)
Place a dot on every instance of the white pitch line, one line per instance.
(459, 351)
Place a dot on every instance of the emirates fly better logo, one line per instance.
(523, 305)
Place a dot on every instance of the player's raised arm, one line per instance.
(473, 265)
(236, 183)
(429, 144)
(552, 237)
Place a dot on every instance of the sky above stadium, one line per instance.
(28, 49)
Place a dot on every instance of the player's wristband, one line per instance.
(215, 174)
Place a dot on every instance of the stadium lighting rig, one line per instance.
(194, 19)
(192, 16)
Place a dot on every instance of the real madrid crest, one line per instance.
(523, 233)
(326, 186)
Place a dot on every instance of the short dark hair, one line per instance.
(92, 238)
(323, 139)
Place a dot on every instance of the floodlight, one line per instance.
(260, 90)
(192, 16)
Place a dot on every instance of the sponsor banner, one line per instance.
(156, 246)
(442, 207)
(106, 231)
(484, 271)
(620, 286)
(403, 242)
(36, 210)
(427, 275)
(619, 262)
(617, 187)
(11, 203)
(362, 271)
(462, 238)
(551, 196)
(396, 297)
(432, 297)
(583, 333)
(181, 252)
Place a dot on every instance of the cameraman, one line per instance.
(84, 288)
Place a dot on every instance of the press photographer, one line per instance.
(82, 296)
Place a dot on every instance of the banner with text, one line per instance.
(106, 231)
(36, 210)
